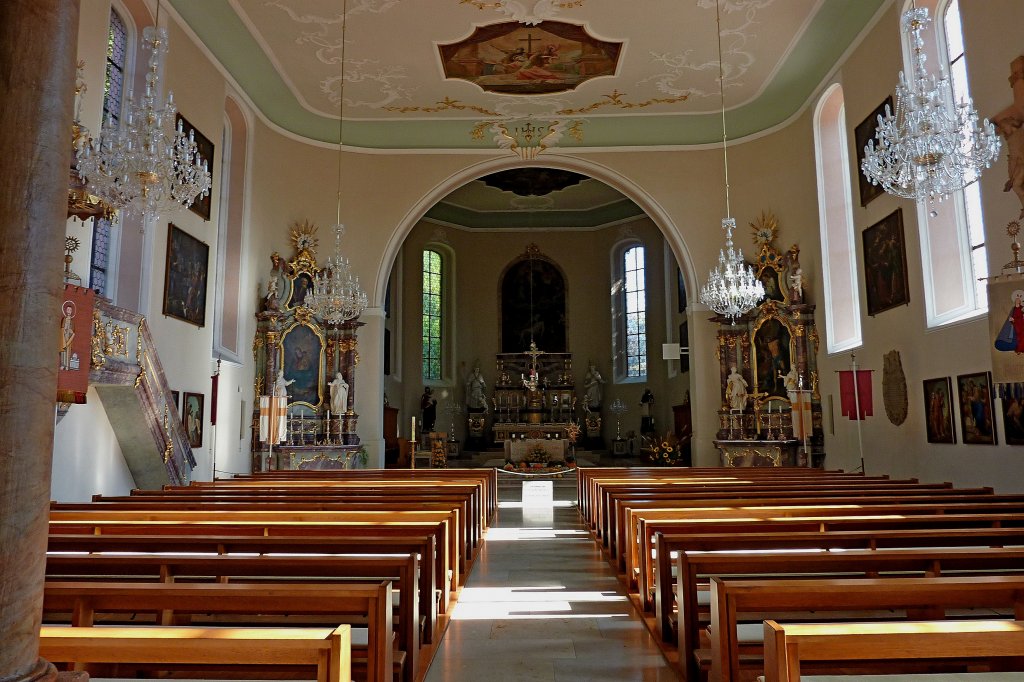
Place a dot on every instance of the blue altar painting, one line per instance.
(302, 351)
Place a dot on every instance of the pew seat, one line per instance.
(324, 650)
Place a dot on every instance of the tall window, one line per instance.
(432, 307)
(972, 193)
(952, 239)
(635, 307)
(835, 213)
(113, 100)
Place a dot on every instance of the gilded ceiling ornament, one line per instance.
(527, 140)
(765, 228)
(614, 99)
(516, 9)
(447, 104)
(304, 236)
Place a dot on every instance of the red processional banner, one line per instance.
(75, 330)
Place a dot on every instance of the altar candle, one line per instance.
(412, 435)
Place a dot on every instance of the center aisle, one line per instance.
(542, 604)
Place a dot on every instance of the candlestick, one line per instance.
(412, 435)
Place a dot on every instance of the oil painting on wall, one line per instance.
(772, 356)
(938, 406)
(533, 311)
(513, 58)
(185, 277)
(885, 264)
(975, 394)
(302, 350)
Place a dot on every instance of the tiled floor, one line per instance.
(542, 604)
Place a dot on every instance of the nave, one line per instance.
(542, 603)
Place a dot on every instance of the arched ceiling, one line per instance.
(662, 88)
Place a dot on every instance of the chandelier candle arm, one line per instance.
(931, 147)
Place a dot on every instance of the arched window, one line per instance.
(835, 213)
(113, 103)
(629, 307)
(230, 223)
(433, 306)
(952, 237)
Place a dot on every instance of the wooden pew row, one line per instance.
(400, 569)
(486, 477)
(324, 650)
(275, 523)
(589, 481)
(851, 500)
(460, 493)
(643, 524)
(373, 513)
(920, 598)
(787, 646)
(429, 589)
(752, 537)
(614, 498)
(687, 489)
(694, 568)
(176, 603)
(320, 533)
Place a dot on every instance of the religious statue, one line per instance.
(67, 334)
(791, 382)
(281, 385)
(272, 294)
(428, 405)
(1010, 124)
(796, 276)
(736, 390)
(339, 394)
(647, 411)
(592, 386)
(475, 390)
(274, 281)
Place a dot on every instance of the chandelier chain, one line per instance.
(721, 95)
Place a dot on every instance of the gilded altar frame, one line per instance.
(763, 350)
(291, 364)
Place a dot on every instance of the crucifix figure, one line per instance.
(529, 43)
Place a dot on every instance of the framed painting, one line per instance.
(1013, 420)
(885, 264)
(938, 408)
(302, 285)
(202, 205)
(539, 315)
(975, 399)
(864, 133)
(772, 282)
(185, 277)
(772, 356)
(302, 351)
(192, 418)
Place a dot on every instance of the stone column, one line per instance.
(38, 42)
(369, 401)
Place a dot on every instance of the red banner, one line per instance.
(75, 330)
(856, 394)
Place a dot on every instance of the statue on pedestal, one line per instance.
(339, 394)
(476, 397)
(592, 385)
(736, 390)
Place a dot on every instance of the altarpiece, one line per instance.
(293, 344)
(773, 348)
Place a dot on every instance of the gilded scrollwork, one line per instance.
(119, 340)
(99, 340)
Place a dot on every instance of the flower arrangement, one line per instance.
(663, 451)
(572, 431)
(537, 454)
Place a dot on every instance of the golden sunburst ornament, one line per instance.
(765, 228)
(304, 236)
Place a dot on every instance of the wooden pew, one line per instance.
(323, 532)
(919, 597)
(175, 603)
(695, 567)
(429, 589)
(325, 649)
(640, 547)
(787, 646)
(282, 522)
(371, 513)
(883, 535)
(400, 569)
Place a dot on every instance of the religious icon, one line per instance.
(939, 410)
(192, 417)
(975, 394)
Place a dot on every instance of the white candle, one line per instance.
(412, 436)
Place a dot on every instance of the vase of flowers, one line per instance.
(663, 450)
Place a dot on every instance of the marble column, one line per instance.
(38, 42)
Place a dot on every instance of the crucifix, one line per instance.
(531, 382)
(529, 43)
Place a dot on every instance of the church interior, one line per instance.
(388, 244)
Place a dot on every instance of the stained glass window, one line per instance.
(636, 312)
(432, 307)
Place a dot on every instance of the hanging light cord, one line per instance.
(531, 302)
(341, 101)
(721, 92)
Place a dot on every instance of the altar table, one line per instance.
(516, 450)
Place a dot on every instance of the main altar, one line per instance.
(300, 361)
(770, 414)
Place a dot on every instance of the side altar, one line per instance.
(770, 414)
(303, 414)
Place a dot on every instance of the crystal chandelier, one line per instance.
(142, 166)
(337, 295)
(731, 289)
(931, 147)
